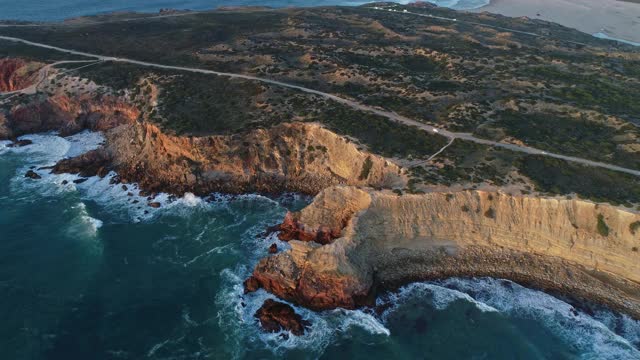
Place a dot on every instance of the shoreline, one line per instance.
(344, 256)
(619, 20)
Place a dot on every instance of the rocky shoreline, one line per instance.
(353, 242)
(390, 241)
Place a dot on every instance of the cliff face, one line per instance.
(65, 114)
(574, 246)
(289, 157)
(17, 74)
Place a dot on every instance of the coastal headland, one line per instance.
(424, 134)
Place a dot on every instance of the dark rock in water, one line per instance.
(102, 172)
(273, 248)
(155, 205)
(115, 180)
(32, 175)
(21, 143)
(251, 284)
(135, 201)
(129, 194)
(45, 168)
(65, 182)
(80, 181)
(125, 188)
(144, 193)
(88, 164)
(276, 316)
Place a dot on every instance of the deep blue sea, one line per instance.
(87, 273)
(55, 10)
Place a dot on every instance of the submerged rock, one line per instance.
(273, 248)
(32, 175)
(21, 143)
(155, 205)
(276, 316)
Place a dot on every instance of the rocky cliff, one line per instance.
(576, 247)
(65, 114)
(299, 157)
(289, 157)
(17, 74)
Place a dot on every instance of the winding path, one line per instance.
(355, 105)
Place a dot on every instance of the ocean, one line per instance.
(86, 272)
(57, 10)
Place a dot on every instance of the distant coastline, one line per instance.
(33, 10)
(609, 19)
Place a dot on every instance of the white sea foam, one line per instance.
(237, 309)
(601, 35)
(439, 297)
(594, 339)
(237, 315)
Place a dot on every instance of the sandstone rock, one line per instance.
(276, 316)
(251, 284)
(324, 222)
(32, 175)
(273, 249)
(17, 74)
(390, 240)
(92, 163)
(260, 160)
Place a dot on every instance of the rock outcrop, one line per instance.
(67, 115)
(297, 157)
(576, 247)
(275, 316)
(17, 74)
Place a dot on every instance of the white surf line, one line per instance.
(384, 113)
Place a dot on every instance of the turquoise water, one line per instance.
(54, 10)
(86, 274)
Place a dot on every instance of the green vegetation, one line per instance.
(379, 134)
(12, 49)
(603, 229)
(117, 76)
(566, 135)
(634, 226)
(556, 176)
(592, 90)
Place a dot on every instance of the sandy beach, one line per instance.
(615, 18)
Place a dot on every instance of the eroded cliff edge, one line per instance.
(575, 247)
(295, 156)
